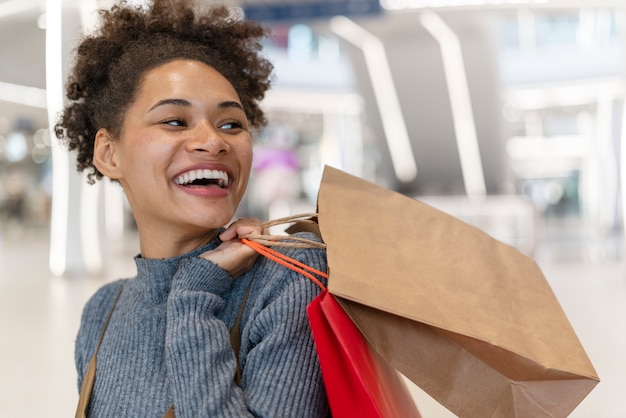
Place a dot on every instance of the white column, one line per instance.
(392, 117)
(74, 231)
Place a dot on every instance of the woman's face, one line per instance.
(184, 152)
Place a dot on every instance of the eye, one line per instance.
(231, 125)
(174, 122)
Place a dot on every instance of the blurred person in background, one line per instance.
(13, 204)
(164, 99)
(276, 170)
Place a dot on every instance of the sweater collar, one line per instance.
(154, 276)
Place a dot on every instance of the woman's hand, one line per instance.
(232, 255)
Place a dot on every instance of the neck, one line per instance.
(159, 245)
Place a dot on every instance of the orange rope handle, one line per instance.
(288, 262)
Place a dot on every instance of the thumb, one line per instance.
(236, 231)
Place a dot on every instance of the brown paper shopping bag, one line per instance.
(470, 320)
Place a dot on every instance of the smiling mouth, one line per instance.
(203, 178)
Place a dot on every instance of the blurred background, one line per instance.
(506, 114)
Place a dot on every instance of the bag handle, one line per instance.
(310, 217)
(288, 240)
(261, 243)
(288, 262)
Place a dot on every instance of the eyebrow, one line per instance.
(227, 104)
(186, 103)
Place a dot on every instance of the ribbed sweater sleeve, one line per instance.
(199, 358)
(281, 375)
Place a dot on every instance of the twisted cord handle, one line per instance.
(302, 217)
(287, 240)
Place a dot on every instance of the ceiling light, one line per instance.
(29, 96)
(422, 4)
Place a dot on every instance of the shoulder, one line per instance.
(92, 320)
(284, 278)
(96, 310)
(315, 254)
(101, 301)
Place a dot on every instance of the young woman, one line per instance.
(164, 100)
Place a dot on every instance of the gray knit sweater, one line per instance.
(168, 341)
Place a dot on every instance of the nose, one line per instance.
(207, 138)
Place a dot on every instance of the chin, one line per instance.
(214, 223)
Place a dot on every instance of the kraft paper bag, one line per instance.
(469, 319)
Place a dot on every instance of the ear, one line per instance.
(105, 155)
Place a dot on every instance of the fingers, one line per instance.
(232, 255)
(241, 228)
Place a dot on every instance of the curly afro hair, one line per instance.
(109, 65)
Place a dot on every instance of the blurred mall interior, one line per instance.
(506, 114)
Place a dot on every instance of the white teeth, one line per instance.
(220, 176)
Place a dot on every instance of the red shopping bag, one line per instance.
(358, 381)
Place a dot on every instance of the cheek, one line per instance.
(245, 159)
(153, 151)
(146, 168)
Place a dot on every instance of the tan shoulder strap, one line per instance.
(235, 333)
(170, 413)
(90, 376)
